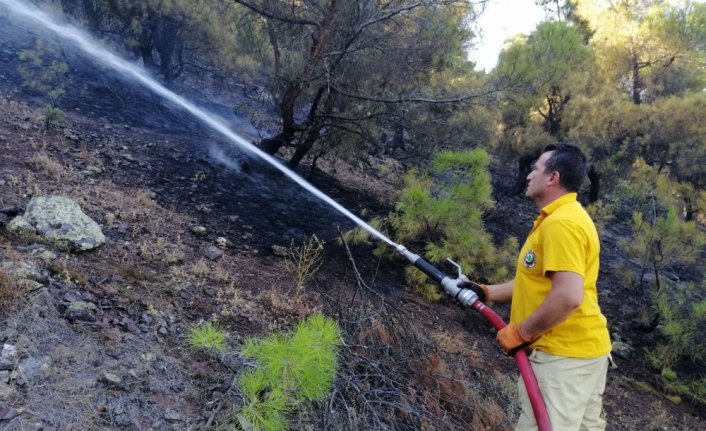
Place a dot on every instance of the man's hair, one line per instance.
(570, 162)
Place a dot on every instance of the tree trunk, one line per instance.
(273, 144)
(636, 84)
(595, 179)
(304, 148)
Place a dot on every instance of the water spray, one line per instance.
(87, 44)
(465, 297)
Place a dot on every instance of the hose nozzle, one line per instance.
(450, 286)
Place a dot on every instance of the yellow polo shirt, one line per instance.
(563, 238)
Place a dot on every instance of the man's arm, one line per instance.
(563, 299)
(500, 292)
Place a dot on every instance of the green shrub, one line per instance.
(442, 212)
(290, 371)
(53, 118)
(44, 69)
(697, 389)
(208, 338)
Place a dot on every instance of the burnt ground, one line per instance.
(149, 174)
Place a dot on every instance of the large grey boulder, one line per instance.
(61, 221)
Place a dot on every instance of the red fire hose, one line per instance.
(468, 298)
(535, 396)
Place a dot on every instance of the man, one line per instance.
(554, 309)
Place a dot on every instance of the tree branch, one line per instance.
(415, 99)
(272, 15)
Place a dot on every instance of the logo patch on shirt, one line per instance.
(530, 259)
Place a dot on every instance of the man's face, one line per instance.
(537, 179)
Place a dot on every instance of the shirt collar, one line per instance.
(554, 205)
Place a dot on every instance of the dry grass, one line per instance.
(125, 204)
(61, 268)
(160, 249)
(231, 301)
(297, 306)
(55, 171)
(11, 292)
(24, 184)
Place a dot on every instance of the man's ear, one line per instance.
(555, 177)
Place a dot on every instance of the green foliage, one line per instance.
(669, 374)
(682, 313)
(442, 212)
(171, 36)
(290, 371)
(666, 134)
(663, 240)
(660, 237)
(43, 69)
(306, 259)
(682, 317)
(544, 59)
(541, 72)
(207, 337)
(697, 389)
(53, 118)
(265, 407)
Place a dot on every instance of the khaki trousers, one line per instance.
(572, 389)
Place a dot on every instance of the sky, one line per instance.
(500, 20)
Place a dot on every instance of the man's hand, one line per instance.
(512, 339)
(479, 289)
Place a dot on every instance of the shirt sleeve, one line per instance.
(564, 246)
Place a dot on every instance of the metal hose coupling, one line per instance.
(411, 257)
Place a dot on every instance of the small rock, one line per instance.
(172, 416)
(7, 413)
(80, 310)
(146, 318)
(221, 242)
(118, 412)
(32, 368)
(8, 357)
(47, 256)
(111, 379)
(199, 230)
(279, 250)
(622, 350)
(92, 170)
(214, 253)
(148, 357)
(71, 136)
(6, 390)
(30, 285)
(123, 227)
